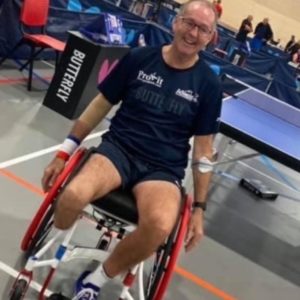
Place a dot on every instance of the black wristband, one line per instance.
(201, 205)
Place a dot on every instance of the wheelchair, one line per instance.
(112, 216)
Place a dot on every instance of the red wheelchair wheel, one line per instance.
(48, 201)
(166, 261)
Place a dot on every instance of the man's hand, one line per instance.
(195, 230)
(51, 173)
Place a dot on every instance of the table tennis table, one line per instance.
(263, 123)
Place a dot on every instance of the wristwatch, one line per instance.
(197, 204)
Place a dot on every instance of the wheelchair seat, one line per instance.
(120, 203)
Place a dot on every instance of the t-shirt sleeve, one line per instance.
(208, 119)
(114, 85)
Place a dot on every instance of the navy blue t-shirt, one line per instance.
(161, 107)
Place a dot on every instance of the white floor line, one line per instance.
(49, 64)
(36, 154)
(12, 272)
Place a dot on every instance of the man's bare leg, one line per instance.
(158, 205)
(96, 178)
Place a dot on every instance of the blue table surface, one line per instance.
(263, 126)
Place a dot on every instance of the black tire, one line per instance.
(159, 266)
(41, 233)
(19, 289)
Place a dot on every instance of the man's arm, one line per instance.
(248, 27)
(91, 117)
(203, 146)
(88, 120)
(202, 150)
(270, 34)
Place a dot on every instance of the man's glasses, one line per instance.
(190, 25)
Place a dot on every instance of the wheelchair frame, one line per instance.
(34, 247)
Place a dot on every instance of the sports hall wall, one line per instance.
(283, 15)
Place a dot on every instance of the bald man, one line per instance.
(262, 34)
(147, 145)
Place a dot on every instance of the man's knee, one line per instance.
(69, 205)
(157, 228)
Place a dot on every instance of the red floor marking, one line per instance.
(18, 80)
(204, 284)
(22, 182)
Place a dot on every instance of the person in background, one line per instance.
(245, 29)
(218, 7)
(293, 49)
(262, 34)
(290, 44)
(296, 57)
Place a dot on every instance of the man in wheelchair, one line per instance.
(168, 95)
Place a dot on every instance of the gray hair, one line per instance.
(205, 3)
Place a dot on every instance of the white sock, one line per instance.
(98, 277)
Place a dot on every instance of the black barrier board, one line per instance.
(82, 65)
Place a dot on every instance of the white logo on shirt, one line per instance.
(187, 95)
(151, 79)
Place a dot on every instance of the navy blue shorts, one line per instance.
(131, 169)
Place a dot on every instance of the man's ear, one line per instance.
(174, 23)
(214, 39)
